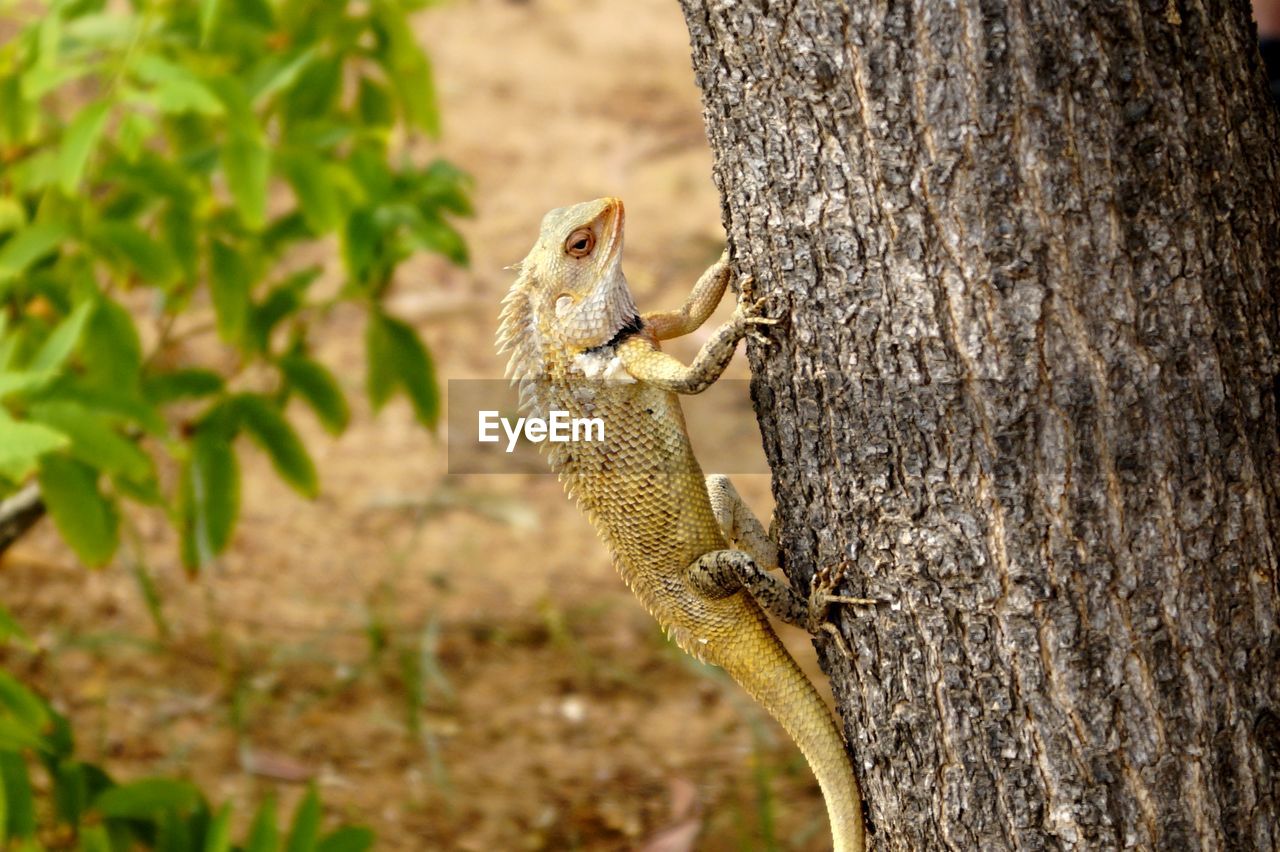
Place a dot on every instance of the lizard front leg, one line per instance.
(697, 308)
(719, 574)
(647, 363)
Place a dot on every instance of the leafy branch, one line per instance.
(176, 161)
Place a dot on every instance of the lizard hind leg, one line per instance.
(745, 533)
(739, 524)
(721, 573)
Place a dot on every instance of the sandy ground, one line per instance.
(451, 658)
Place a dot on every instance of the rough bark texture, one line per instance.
(1030, 257)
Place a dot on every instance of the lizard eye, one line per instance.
(580, 243)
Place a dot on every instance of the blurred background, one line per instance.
(450, 661)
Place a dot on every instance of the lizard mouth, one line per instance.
(616, 217)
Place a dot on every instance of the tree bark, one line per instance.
(1029, 256)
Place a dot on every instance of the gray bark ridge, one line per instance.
(1030, 258)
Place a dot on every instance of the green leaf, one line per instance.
(361, 241)
(430, 233)
(172, 834)
(70, 790)
(381, 380)
(175, 97)
(22, 444)
(209, 10)
(20, 803)
(177, 89)
(306, 824)
(38, 82)
(109, 30)
(12, 215)
(443, 185)
(229, 281)
(411, 366)
(4, 815)
(314, 383)
(48, 39)
(265, 424)
(368, 162)
(146, 798)
(153, 176)
(135, 129)
(84, 517)
(16, 735)
(17, 114)
(180, 230)
(63, 340)
(59, 737)
(408, 68)
(94, 838)
(316, 90)
(218, 837)
(131, 246)
(212, 492)
(264, 836)
(283, 231)
(349, 838)
(375, 104)
(27, 246)
(112, 350)
(246, 163)
(122, 404)
(282, 74)
(24, 381)
(284, 299)
(36, 173)
(94, 440)
(21, 703)
(78, 143)
(185, 383)
(317, 198)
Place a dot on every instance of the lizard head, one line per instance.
(571, 293)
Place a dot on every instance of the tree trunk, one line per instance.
(1029, 255)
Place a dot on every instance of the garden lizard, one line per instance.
(688, 547)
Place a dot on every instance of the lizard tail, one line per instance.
(764, 669)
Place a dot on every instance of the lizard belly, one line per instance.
(647, 497)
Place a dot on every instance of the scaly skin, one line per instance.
(577, 344)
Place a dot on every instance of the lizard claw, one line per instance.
(758, 337)
(834, 632)
(751, 314)
(821, 599)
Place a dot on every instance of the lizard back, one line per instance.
(645, 494)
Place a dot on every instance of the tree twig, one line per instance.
(19, 513)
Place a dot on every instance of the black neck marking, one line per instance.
(630, 328)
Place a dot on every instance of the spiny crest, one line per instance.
(519, 335)
(518, 328)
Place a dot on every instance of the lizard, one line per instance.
(686, 545)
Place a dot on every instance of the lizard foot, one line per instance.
(821, 600)
(751, 314)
